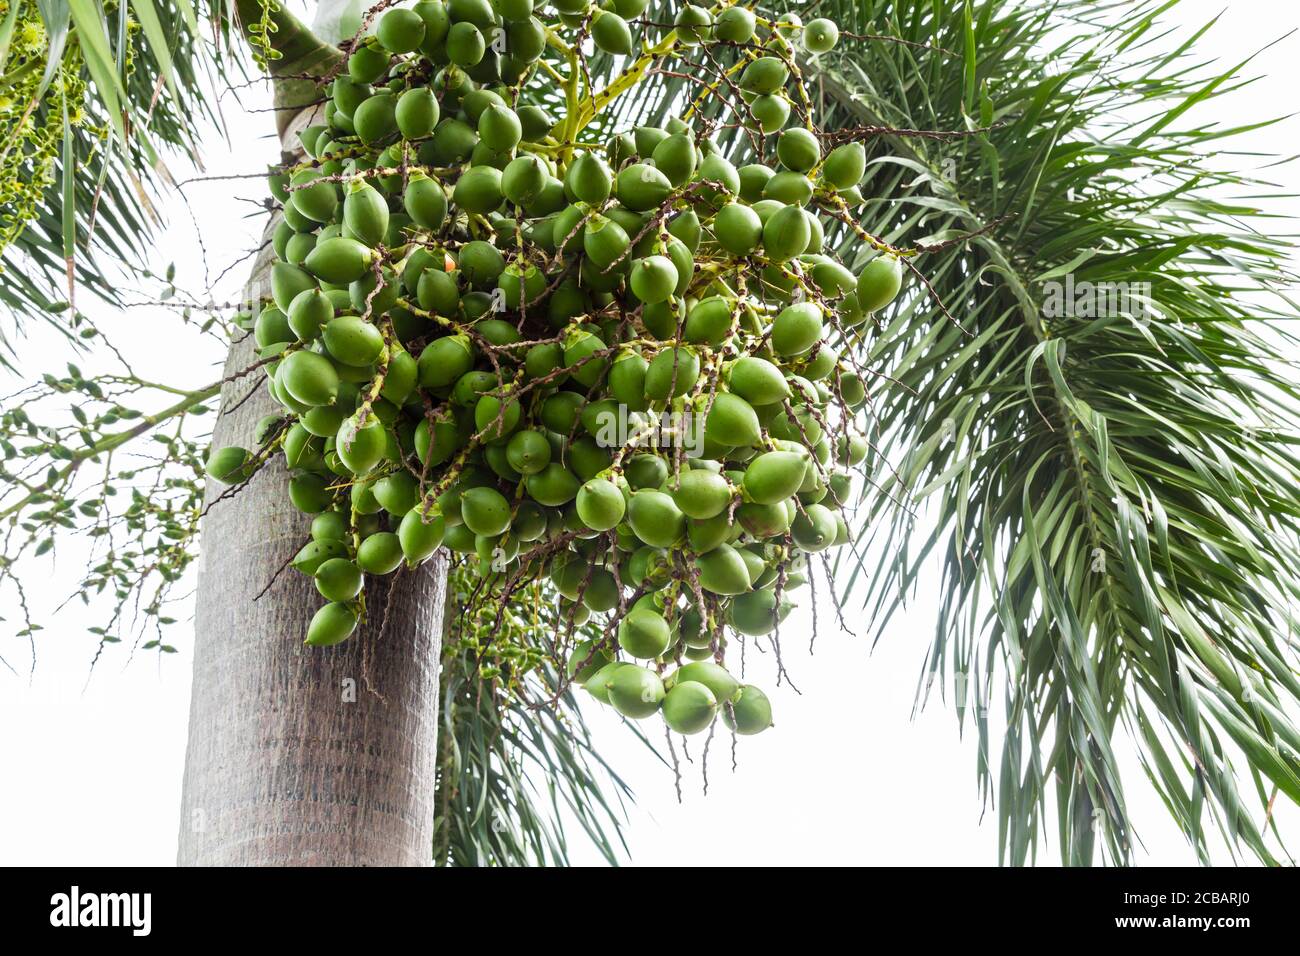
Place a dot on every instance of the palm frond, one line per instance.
(518, 769)
(1110, 493)
(137, 81)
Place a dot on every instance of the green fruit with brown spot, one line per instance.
(764, 521)
(820, 35)
(528, 452)
(815, 529)
(767, 74)
(315, 553)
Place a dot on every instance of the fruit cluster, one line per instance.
(610, 358)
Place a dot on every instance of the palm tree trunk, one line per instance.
(300, 755)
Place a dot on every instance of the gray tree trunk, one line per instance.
(301, 755)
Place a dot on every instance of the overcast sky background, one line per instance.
(92, 764)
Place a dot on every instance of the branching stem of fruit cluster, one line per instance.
(596, 103)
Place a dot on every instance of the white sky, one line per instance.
(93, 769)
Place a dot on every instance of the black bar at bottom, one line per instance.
(334, 906)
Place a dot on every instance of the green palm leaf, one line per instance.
(516, 772)
(1111, 496)
(139, 81)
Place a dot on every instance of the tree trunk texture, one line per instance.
(301, 756)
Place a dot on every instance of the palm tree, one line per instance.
(1110, 493)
